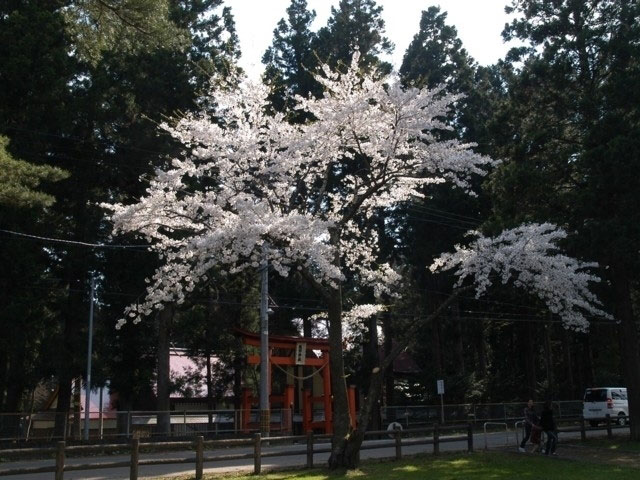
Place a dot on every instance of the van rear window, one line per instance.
(599, 395)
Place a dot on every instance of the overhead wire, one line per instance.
(72, 242)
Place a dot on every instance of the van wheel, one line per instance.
(622, 419)
(593, 423)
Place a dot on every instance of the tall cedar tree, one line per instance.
(574, 152)
(289, 61)
(90, 118)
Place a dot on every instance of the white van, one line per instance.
(603, 401)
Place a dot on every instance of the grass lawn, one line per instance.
(478, 466)
(616, 444)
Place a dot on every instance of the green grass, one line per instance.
(616, 444)
(478, 466)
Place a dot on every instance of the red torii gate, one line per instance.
(291, 347)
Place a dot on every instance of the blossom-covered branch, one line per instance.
(529, 256)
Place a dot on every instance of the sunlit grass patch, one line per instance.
(477, 466)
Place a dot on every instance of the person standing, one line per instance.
(530, 420)
(548, 424)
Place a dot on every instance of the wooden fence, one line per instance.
(397, 438)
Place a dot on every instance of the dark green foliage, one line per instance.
(95, 115)
(571, 143)
(19, 180)
(290, 61)
(354, 24)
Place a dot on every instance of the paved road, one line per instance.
(494, 440)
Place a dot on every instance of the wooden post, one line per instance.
(257, 454)
(609, 432)
(470, 438)
(199, 456)
(310, 449)
(583, 430)
(135, 455)
(436, 439)
(398, 445)
(60, 461)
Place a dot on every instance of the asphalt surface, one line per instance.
(296, 458)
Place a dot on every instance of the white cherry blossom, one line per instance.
(252, 184)
(529, 257)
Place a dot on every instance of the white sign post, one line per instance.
(440, 387)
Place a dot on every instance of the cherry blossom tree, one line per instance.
(253, 185)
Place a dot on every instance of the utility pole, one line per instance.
(87, 394)
(265, 418)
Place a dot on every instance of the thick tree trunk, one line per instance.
(63, 406)
(238, 366)
(341, 423)
(77, 408)
(163, 319)
(588, 376)
(569, 391)
(528, 349)
(373, 362)
(481, 351)
(346, 442)
(628, 331)
(210, 405)
(548, 362)
(4, 372)
(388, 373)
(459, 344)
(436, 347)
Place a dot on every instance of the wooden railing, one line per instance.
(396, 438)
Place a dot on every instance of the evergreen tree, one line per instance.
(355, 24)
(573, 116)
(289, 61)
(90, 115)
(19, 179)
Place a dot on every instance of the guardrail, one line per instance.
(39, 426)
(401, 438)
(499, 424)
(580, 425)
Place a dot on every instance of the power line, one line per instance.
(71, 242)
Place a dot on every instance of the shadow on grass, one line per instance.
(478, 466)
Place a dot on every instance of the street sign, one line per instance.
(440, 385)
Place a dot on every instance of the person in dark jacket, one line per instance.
(530, 420)
(548, 424)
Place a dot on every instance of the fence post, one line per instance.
(60, 461)
(398, 445)
(128, 424)
(135, 455)
(609, 432)
(199, 456)
(436, 439)
(583, 429)
(470, 438)
(309, 449)
(257, 455)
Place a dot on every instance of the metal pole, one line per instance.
(442, 409)
(87, 394)
(101, 414)
(264, 347)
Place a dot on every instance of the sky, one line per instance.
(479, 24)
